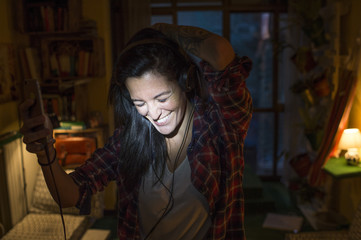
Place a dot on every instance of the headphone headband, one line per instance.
(192, 69)
(144, 42)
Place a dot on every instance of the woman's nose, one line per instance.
(153, 111)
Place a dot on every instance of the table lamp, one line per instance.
(351, 141)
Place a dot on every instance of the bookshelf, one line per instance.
(49, 16)
(72, 58)
(65, 50)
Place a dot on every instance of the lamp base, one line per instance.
(352, 159)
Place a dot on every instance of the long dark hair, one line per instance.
(142, 145)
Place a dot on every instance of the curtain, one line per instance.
(341, 102)
(339, 115)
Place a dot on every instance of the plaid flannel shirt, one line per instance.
(215, 155)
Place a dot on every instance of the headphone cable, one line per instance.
(56, 188)
(170, 203)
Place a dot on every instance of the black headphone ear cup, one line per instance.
(190, 78)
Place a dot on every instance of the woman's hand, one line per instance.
(37, 131)
(212, 48)
(38, 134)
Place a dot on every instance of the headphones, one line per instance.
(186, 83)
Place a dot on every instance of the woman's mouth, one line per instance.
(162, 121)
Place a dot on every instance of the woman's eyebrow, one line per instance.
(162, 94)
(155, 97)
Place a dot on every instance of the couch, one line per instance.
(43, 220)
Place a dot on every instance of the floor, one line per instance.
(260, 199)
(277, 200)
(267, 197)
(109, 221)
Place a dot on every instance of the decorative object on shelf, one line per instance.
(351, 141)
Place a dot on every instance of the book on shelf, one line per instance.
(71, 65)
(83, 63)
(34, 20)
(86, 64)
(80, 63)
(72, 57)
(47, 18)
(65, 64)
(52, 104)
(47, 14)
(54, 65)
(90, 64)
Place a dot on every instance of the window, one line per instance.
(251, 27)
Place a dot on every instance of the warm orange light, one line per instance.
(351, 141)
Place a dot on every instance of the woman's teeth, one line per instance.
(163, 120)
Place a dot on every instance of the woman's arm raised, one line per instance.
(35, 129)
(212, 48)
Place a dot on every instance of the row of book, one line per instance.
(47, 19)
(67, 65)
(61, 65)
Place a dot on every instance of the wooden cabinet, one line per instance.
(343, 183)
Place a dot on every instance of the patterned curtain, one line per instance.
(339, 115)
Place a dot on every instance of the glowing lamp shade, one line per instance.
(351, 141)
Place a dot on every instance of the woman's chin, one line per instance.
(165, 130)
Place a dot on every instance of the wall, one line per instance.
(351, 29)
(98, 88)
(9, 111)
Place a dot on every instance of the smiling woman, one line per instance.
(163, 103)
(177, 152)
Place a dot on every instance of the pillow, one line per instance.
(43, 202)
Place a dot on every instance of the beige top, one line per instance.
(188, 219)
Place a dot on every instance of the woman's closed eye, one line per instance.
(162, 100)
(139, 104)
